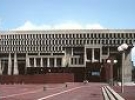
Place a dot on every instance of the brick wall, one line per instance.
(37, 78)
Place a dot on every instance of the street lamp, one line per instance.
(111, 62)
(122, 48)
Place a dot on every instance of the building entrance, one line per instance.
(21, 67)
(93, 64)
(93, 72)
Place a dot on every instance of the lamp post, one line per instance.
(122, 48)
(111, 62)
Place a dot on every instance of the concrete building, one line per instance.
(82, 52)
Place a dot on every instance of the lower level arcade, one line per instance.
(84, 63)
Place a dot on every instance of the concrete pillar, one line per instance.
(126, 67)
(0, 68)
(93, 57)
(27, 60)
(41, 62)
(9, 64)
(48, 62)
(72, 51)
(64, 61)
(85, 56)
(55, 62)
(16, 72)
(35, 65)
(100, 54)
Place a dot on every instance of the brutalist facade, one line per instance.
(82, 52)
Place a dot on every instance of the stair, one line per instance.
(110, 94)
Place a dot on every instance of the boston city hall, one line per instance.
(64, 55)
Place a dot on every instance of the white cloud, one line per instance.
(68, 25)
(30, 26)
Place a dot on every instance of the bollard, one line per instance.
(44, 88)
(66, 85)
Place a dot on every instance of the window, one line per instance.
(77, 42)
(51, 62)
(62, 35)
(98, 41)
(38, 60)
(95, 35)
(91, 41)
(84, 36)
(103, 42)
(70, 42)
(95, 41)
(72, 61)
(88, 35)
(76, 61)
(118, 35)
(107, 35)
(87, 41)
(67, 36)
(70, 36)
(59, 62)
(92, 36)
(104, 50)
(32, 62)
(73, 35)
(77, 36)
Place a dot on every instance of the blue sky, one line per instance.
(15, 14)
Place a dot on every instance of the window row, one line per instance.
(72, 36)
(77, 61)
(117, 42)
(31, 49)
(65, 42)
(45, 42)
(45, 62)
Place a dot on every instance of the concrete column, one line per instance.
(72, 51)
(48, 62)
(93, 57)
(64, 61)
(35, 65)
(126, 67)
(41, 62)
(27, 60)
(9, 64)
(85, 56)
(0, 68)
(55, 62)
(100, 55)
(16, 72)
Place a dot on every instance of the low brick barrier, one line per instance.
(37, 78)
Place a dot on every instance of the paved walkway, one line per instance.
(73, 91)
(129, 90)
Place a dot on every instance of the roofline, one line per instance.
(60, 31)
